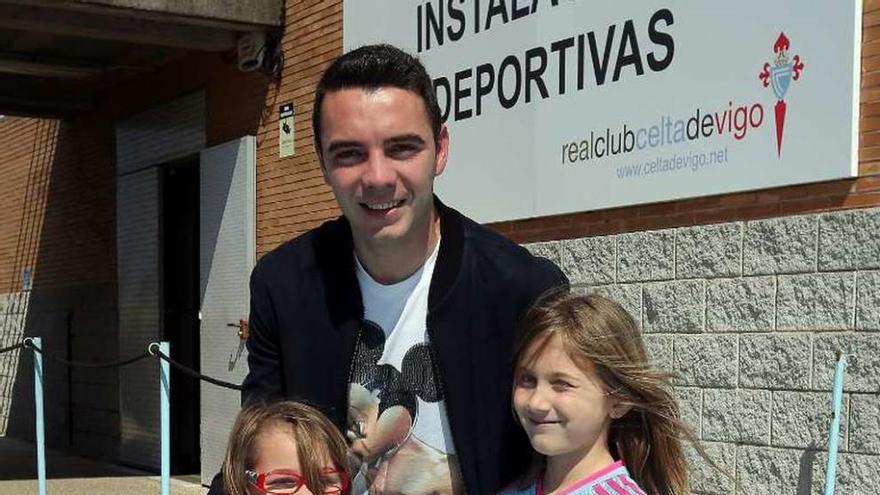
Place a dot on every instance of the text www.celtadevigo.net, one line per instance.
(674, 163)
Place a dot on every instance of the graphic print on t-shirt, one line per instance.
(385, 404)
(397, 428)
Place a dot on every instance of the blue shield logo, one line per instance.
(780, 77)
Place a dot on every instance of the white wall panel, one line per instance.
(228, 252)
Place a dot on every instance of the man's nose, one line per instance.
(379, 171)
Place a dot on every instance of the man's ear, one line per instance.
(442, 150)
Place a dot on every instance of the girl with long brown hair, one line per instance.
(603, 420)
(285, 447)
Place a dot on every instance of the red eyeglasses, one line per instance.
(286, 481)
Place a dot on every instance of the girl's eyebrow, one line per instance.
(555, 375)
(559, 374)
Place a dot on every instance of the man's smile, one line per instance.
(382, 206)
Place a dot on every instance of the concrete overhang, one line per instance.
(57, 55)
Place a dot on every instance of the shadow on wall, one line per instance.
(61, 288)
(805, 473)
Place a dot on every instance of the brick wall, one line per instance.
(291, 195)
(56, 219)
(58, 208)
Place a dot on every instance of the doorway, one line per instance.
(180, 304)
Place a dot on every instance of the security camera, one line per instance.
(251, 50)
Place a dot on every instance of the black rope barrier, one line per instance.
(12, 348)
(82, 364)
(154, 349)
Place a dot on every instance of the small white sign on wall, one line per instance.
(27, 278)
(286, 145)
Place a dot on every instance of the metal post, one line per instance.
(165, 416)
(834, 434)
(38, 406)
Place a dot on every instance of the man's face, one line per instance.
(380, 158)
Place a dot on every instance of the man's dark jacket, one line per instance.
(306, 312)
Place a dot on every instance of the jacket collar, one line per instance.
(334, 254)
(450, 256)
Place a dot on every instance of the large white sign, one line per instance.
(557, 106)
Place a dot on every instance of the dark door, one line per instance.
(180, 289)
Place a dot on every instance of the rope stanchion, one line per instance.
(154, 350)
(165, 417)
(160, 351)
(36, 343)
(82, 364)
(12, 348)
(834, 431)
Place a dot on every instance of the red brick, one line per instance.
(658, 222)
(556, 221)
(806, 205)
(756, 212)
(588, 217)
(715, 216)
(869, 138)
(869, 168)
(863, 184)
(869, 153)
(658, 209)
(857, 200)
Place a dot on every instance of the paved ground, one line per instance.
(72, 475)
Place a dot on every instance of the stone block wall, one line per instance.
(13, 313)
(750, 317)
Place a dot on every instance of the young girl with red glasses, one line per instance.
(284, 448)
(601, 419)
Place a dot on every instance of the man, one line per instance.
(397, 320)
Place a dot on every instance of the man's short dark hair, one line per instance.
(371, 67)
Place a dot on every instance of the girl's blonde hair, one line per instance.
(597, 331)
(316, 439)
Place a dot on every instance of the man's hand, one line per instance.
(416, 469)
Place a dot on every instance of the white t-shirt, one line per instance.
(397, 417)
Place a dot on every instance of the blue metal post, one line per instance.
(834, 434)
(165, 416)
(38, 406)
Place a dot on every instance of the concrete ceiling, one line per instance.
(56, 56)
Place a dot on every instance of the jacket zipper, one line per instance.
(351, 369)
(435, 364)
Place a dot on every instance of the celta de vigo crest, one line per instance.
(780, 75)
